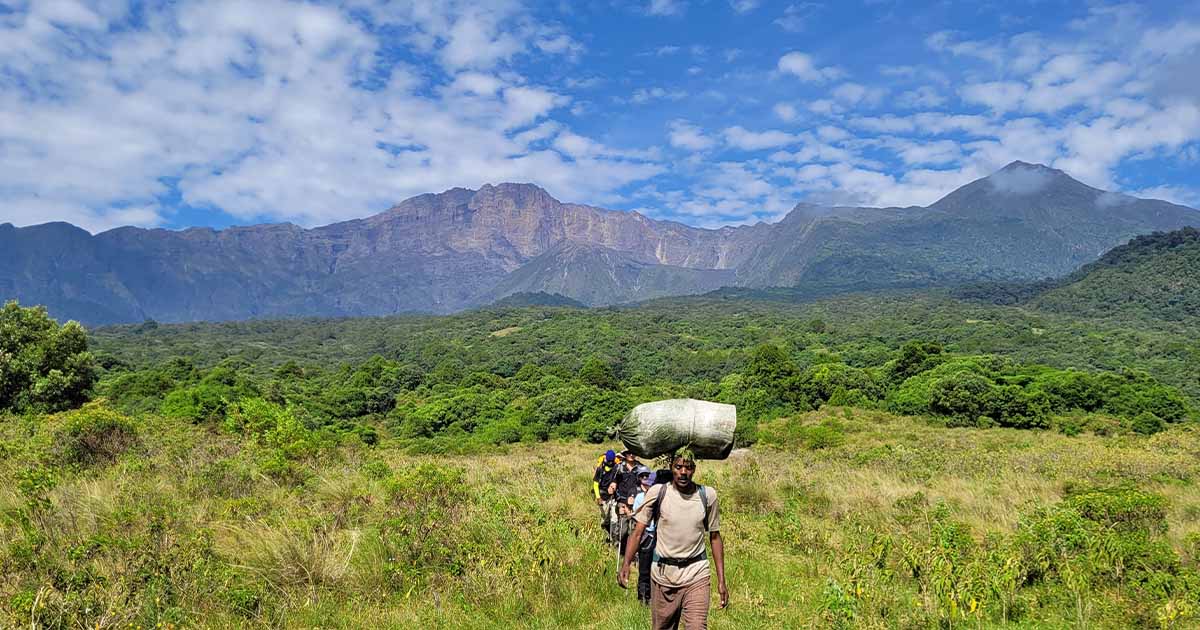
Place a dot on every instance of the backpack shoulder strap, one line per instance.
(704, 500)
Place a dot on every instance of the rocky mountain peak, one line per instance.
(513, 195)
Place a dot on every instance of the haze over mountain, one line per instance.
(462, 248)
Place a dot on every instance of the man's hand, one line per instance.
(599, 501)
(623, 575)
(724, 592)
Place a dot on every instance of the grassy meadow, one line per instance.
(841, 517)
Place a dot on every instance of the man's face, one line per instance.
(630, 460)
(681, 472)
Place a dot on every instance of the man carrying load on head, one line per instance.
(680, 579)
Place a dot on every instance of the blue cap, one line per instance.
(652, 478)
(609, 455)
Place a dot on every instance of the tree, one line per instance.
(597, 373)
(915, 357)
(44, 367)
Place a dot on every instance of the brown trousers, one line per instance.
(689, 604)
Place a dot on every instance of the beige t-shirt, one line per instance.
(680, 531)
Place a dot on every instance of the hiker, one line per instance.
(604, 488)
(626, 486)
(627, 479)
(626, 497)
(645, 551)
(682, 511)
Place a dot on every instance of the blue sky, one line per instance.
(214, 113)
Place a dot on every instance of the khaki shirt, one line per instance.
(680, 531)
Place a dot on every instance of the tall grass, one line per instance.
(838, 518)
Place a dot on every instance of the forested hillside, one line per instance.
(1157, 275)
(914, 462)
(532, 373)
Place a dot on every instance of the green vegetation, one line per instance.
(1155, 275)
(44, 367)
(917, 461)
(498, 376)
(1151, 276)
(838, 518)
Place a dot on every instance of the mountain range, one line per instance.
(463, 248)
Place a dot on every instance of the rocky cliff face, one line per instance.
(460, 248)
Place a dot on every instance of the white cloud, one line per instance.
(665, 7)
(292, 118)
(642, 96)
(744, 6)
(853, 94)
(824, 107)
(1182, 195)
(1001, 96)
(684, 135)
(923, 97)
(1020, 181)
(796, 16)
(746, 140)
(785, 111)
(803, 66)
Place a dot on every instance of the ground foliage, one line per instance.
(917, 462)
(535, 373)
(1153, 276)
(838, 518)
(44, 367)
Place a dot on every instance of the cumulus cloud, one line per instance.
(684, 135)
(923, 97)
(803, 66)
(642, 96)
(1182, 195)
(295, 118)
(746, 140)
(796, 16)
(665, 7)
(744, 6)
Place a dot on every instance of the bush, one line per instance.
(201, 403)
(1147, 423)
(92, 436)
(44, 367)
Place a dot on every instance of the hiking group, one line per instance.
(658, 519)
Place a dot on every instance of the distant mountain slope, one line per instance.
(1156, 275)
(1025, 221)
(541, 298)
(461, 248)
(598, 275)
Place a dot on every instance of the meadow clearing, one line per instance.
(836, 518)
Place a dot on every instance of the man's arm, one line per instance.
(718, 551)
(596, 483)
(630, 551)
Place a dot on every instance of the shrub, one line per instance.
(1121, 508)
(44, 367)
(1146, 423)
(92, 436)
(200, 403)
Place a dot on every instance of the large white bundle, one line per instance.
(659, 428)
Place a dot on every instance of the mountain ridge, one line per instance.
(441, 252)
